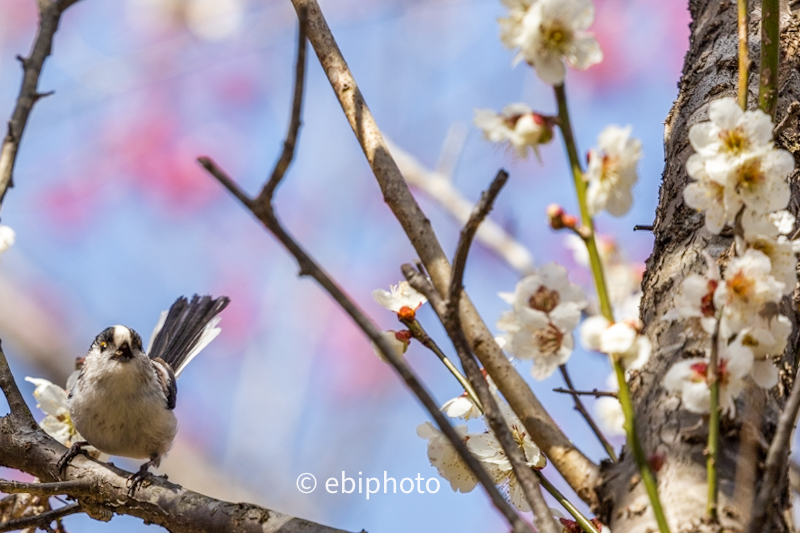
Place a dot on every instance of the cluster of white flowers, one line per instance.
(516, 125)
(612, 171)
(487, 450)
(740, 179)
(548, 32)
(546, 308)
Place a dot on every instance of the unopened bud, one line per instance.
(559, 219)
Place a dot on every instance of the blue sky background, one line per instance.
(114, 220)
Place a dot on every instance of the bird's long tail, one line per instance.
(184, 330)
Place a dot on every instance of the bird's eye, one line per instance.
(103, 345)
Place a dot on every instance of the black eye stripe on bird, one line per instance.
(122, 399)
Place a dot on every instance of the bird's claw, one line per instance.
(75, 449)
(135, 481)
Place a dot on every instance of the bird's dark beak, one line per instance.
(123, 353)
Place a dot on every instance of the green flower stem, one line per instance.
(419, 333)
(605, 307)
(713, 424)
(644, 467)
(770, 53)
(744, 52)
(584, 522)
(580, 189)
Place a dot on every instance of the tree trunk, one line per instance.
(710, 72)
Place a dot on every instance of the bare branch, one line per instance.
(581, 474)
(594, 392)
(482, 209)
(43, 489)
(16, 403)
(49, 18)
(585, 414)
(41, 520)
(775, 465)
(294, 125)
(449, 316)
(308, 267)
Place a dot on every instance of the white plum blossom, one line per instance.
(767, 337)
(401, 296)
(622, 341)
(609, 414)
(764, 234)
(612, 171)
(730, 132)
(461, 407)
(7, 238)
(548, 32)
(747, 286)
(708, 196)
(688, 379)
(696, 297)
(736, 165)
(517, 125)
(445, 458)
(546, 308)
(398, 340)
(52, 400)
(488, 451)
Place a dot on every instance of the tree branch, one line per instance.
(49, 17)
(585, 414)
(480, 212)
(581, 474)
(40, 520)
(102, 490)
(16, 403)
(308, 267)
(265, 196)
(775, 465)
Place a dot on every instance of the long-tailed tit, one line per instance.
(122, 400)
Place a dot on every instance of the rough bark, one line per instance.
(102, 491)
(710, 72)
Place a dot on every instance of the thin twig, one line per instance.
(744, 52)
(419, 333)
(643, 227)
(49, 17)
(577, 469)
(265, 196)
(586, 416)
(452, 323)
(777, 457)
(791, 112)
(594, 392)
(482, 208)
(16, 402)
(42, 489)
(41, 520)
(308, 267)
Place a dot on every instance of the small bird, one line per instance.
(122, 400)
